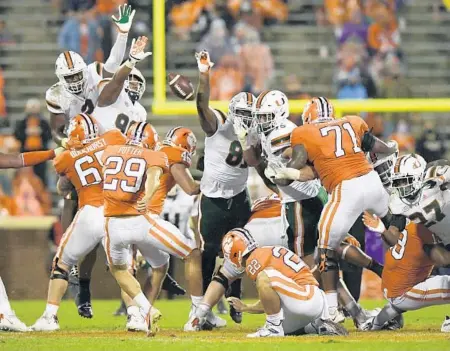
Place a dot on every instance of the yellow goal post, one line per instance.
(161, 106)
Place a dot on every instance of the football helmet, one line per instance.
(142, 134)
(271, 109)
(240, 109)
(71, 71)
(384, 166)
(181, 137)
(236, 244)
(409, 171)
(83, 128)
(318, 109)
(135, 85)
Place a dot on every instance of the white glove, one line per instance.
(125, 19)
(287, 173)
(393, 145)
(137, 52)
(203, 61)
(59, 150)
(374, 223)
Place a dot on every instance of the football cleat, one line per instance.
(446, 325)
(47, 322)
(194, 324)
(215, 321)
(325, 327)
(367, 325)
(336, 316)
(235, 315)
(172, 287)
(135, 321)
(268, 331)
(10, 322)
(84, 306)
(155, 316)
(395, 324)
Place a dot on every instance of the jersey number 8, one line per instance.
(235, 156)
(133, 168)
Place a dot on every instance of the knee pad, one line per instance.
(328, 260)
(221, 279)
(59, 273)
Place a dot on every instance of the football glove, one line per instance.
(287, 173)
(393, 145)
(126, 14)
(203, 61)
(374, 223)
(59, 150)
(137, 52)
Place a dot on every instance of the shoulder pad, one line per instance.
(53, 97)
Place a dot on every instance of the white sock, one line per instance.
(332, 299)
(51, 309)
(196, 300)
(143, 303)
(132, 310)
(5, 307)
(202, 310)
(276, 318)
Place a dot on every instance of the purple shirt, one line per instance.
(352, 29)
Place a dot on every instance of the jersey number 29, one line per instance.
(339, 130)
(134, 169)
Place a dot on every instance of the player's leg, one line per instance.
(8, 319)
(271, 303)
(120, 233)
(83, 298)
(351, 306)
(338, 215)
(240, 211)
(81, 237)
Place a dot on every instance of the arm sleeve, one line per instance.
(115, 58)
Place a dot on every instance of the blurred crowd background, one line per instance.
(345, 49)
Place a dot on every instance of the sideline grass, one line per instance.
(105, 332)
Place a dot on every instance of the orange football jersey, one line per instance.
(406, 264)
(282, 260)
(174, 155)
(83, 167)
(125, 172)
(266, 207)
(334, 149)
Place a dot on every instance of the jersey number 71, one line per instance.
(339, 130)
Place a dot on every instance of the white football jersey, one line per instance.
(59, 100)
(273, 146)
(226, 172)
(120, 114)
(178, 208)
(432, 208)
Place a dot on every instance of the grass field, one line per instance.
(105, 332)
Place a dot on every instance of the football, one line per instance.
(181, 86)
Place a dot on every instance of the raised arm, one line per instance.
(113, 88)
(184, 179)
(208, 120)
(27, 159)
(123, 24)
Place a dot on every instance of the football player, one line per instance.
(8, 319)
(406, 280)
(224, 203)
(132, 176)
(336, 149)
(75, 93)
(81, 168)
(289, 294)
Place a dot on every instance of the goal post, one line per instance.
(161, 106)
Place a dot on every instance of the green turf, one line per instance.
(105, 332)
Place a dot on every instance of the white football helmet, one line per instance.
(71, 71)
(409, 171)
(135, 85)
(271, 109)
(384, 166)
(240, 109)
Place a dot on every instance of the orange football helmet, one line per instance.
(318, 109)
(83, 129)
(142, 134)
(236, 244)
(181, 137)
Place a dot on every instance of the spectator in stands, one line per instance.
(257, 63)
(293, 89)
(30, 195)
(184, 14)
(217, 42)
(349, 80)
(4, 122)
(5, 35)
(337, 12)
(81, 33)
(269, 10)
(227, 79)
(8, 206)
(431, 144)
(403, 137)
(34, 133)
(354, 28)
(383, 35)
